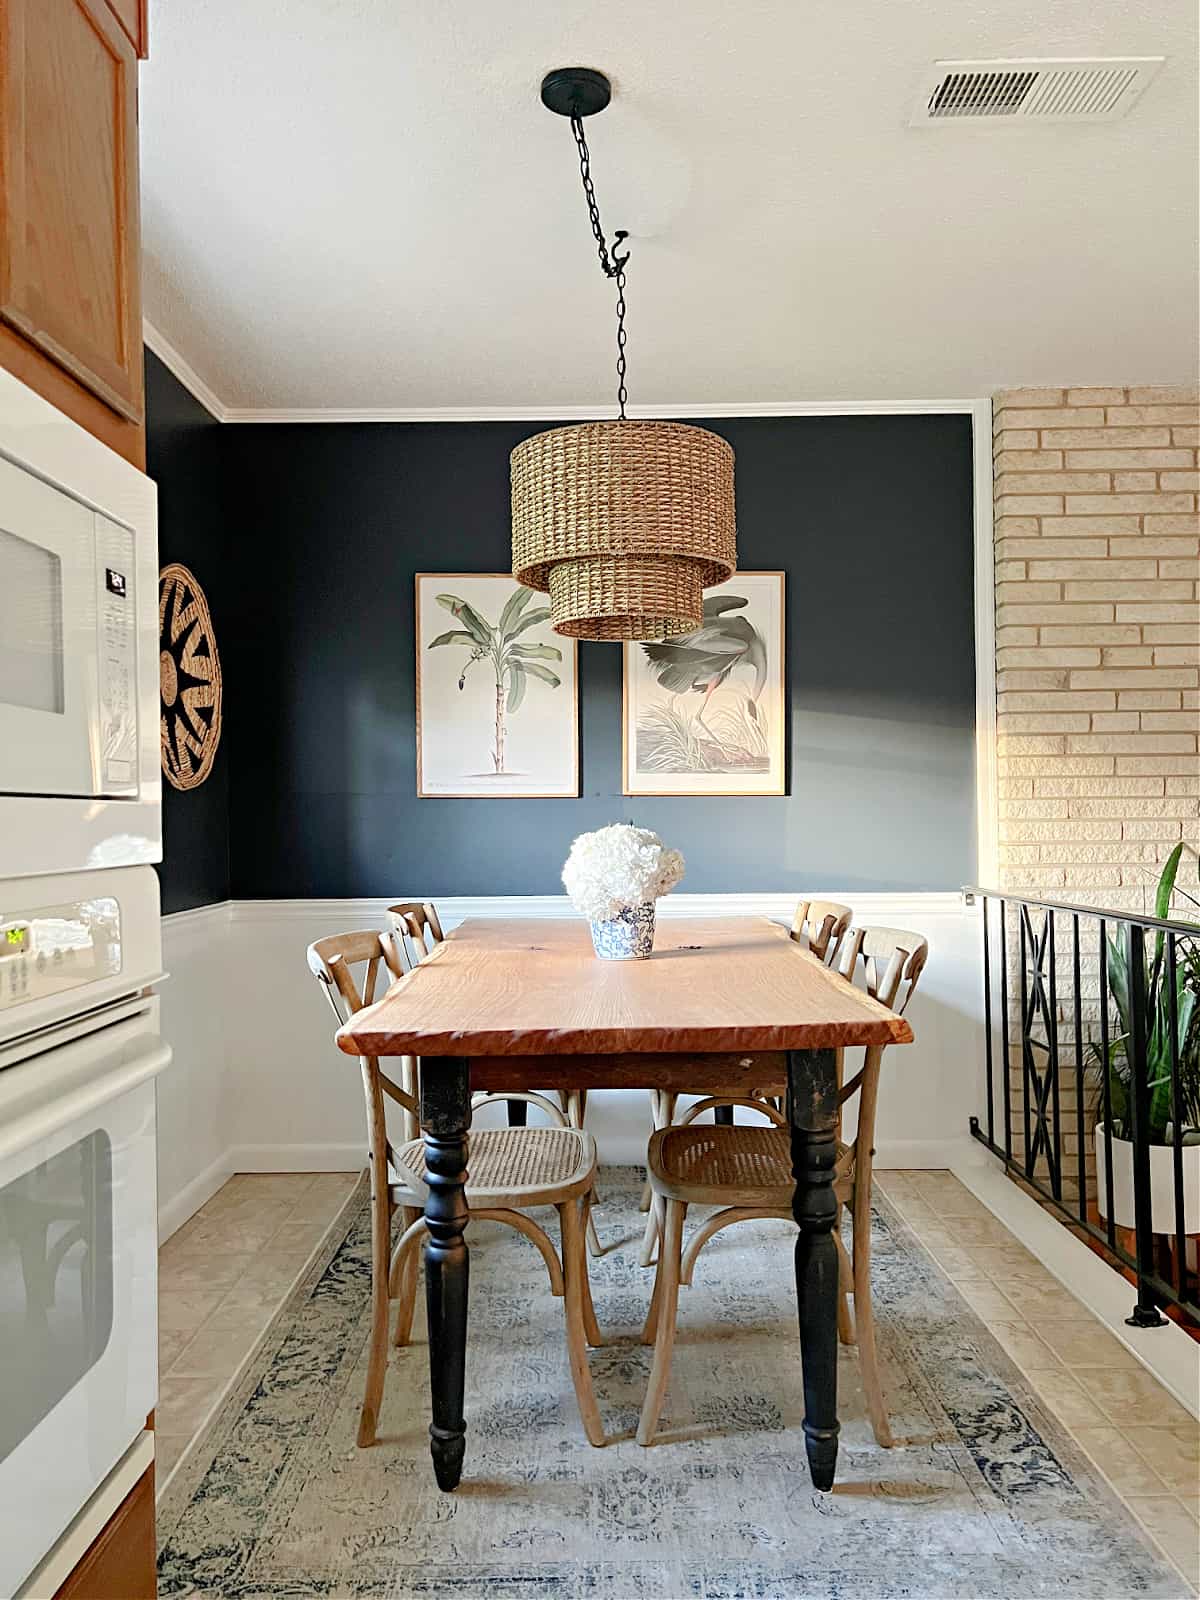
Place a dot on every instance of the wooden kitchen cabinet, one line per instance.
(121, 1564)
(70, 261)
(131, 14)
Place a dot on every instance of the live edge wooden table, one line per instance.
(723, 1003)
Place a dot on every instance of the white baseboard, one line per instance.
(919, 1154)
(624, 1149)
(175, 1212)
(1167, 1352)
(298, 1157)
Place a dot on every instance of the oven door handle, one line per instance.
(68, 1084)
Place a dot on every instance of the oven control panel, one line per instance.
(116, 656)
(51, 949)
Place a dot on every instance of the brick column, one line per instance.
(1097, 657)
(1097, 637)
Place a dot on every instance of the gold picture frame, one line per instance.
(468, 703)
(713, 722)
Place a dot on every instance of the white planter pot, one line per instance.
(1162, 1184)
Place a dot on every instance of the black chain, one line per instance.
(612, 263)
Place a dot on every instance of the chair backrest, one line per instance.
(892, 962)
(331, 962)
(418, 924)
(820, 926)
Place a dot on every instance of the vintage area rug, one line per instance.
(987, 1498)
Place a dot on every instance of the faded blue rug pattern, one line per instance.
(987, 1499)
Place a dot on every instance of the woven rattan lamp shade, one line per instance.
(624, 525)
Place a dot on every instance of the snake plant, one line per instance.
(1158, 982)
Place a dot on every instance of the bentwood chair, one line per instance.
(512, 1170)
(417, 924)
(746, 1171)
(819, 926)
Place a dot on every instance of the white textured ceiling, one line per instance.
(363, 204)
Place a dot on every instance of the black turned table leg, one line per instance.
(812, 1112)
(723, 1115)
(517, 1113)
(445, 1119)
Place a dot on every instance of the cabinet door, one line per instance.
(120, 1565)
(131, 14)
(69, 254)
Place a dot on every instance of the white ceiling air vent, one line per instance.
(1097, 90)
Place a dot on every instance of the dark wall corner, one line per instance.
(185, 459)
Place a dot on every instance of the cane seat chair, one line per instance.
(418, 926)
(746, 1172)
(512, 1170)
(819, 926)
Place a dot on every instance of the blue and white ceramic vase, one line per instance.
(629, 937)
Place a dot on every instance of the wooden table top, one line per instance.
(523, 987)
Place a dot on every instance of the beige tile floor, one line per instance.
(226, 1272)
(1140, 1437)
(222, 1278)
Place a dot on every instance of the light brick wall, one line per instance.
(1097, 637)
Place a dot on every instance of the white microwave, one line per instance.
(79, 780)
(68, 644)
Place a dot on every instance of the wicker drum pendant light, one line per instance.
(624, 524)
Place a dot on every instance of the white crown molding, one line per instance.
(586, 413)
(217, 408)
(184, 371)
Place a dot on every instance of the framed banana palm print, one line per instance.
(497, 690)
(703, 713)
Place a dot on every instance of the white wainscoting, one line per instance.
(199, 1004)
(258, 1086)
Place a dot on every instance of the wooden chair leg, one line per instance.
(864, 1318)
(650, 1236)
(650, 1326)
(595, 1248)
(574, 1252)
(846, 1334)
(410, 1272)
(646, 1203)
(670, 1257)
(381, 1241)
(590, 1326)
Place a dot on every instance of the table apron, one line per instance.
(736, 1071)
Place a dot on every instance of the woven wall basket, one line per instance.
(624, 525)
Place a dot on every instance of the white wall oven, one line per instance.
(79, 778)
(79, 1054)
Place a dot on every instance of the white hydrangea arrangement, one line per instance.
(619, 867)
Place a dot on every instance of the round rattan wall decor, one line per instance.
(189, 679)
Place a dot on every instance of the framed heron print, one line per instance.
(704, 712)
(497, 690)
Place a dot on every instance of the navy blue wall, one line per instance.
(870, 517)
(184, 457)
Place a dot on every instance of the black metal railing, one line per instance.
(1092, 1057)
